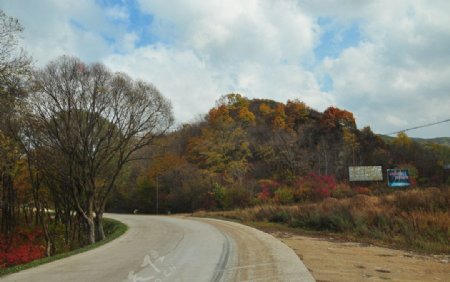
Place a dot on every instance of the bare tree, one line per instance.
(95, 120)
(14, 63)
(14, 66)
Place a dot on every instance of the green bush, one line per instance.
(280, 217)
(236, 197)
(284, 196)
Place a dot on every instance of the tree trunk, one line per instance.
(99, 225)
(89, 218)
(50, 249)
(8, 220)
(91, 226)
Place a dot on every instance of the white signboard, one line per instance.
(365, 173)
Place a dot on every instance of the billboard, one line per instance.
(365, 173)
(398, 177)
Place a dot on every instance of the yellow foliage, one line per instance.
(265, 109)
(402, 140)
(246, 115)
(279, 119)
(219, 115)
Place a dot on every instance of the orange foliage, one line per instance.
(164, 163)
(220, 114)
(334, 118)
(265, 109)
(246, 116)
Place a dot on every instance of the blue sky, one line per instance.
(387, 62)
(336, 37)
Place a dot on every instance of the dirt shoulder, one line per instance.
(258, 256)
(331, 260)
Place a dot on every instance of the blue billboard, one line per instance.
(398, 178)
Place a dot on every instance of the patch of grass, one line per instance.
(113, 229)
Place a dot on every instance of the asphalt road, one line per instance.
(160, 248)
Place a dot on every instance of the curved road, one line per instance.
(160, 248)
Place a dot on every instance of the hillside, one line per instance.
(249, 151)
(437, 140)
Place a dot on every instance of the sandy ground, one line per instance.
(330, 260)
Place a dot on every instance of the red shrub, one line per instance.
(267, 187)
(319, 186)
(23, 247)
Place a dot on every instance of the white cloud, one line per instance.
(233, 31)
(399, 77)
(395, 77)
(179, 75)
(193, 86)
(280, 82)
(117, 13)
(251, 47)
(54, 28)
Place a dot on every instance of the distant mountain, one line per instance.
(437, 140)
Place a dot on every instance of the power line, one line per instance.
(420, 126)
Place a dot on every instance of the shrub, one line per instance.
(218, 193)
(236, 197)
(266, 186)
(318, 186)
(24, 246)
(342, 190)
(280, 217)
(284, 196)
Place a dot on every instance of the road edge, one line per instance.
(292, 264)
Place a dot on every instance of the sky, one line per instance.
(386, 61)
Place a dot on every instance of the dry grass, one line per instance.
(413, 219)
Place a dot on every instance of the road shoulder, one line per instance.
(261, 256)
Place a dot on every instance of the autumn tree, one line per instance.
(222, 148)
(372, 149)
(338, 129)
(296, 113)
(94, 120)
(335, 118)
(14, 68)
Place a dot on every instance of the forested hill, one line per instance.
(245, 150)
(437, 140)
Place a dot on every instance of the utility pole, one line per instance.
(157, 198)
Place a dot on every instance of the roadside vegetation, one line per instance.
(28, 244)
(416, 219)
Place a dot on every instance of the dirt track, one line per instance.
(328, 260)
